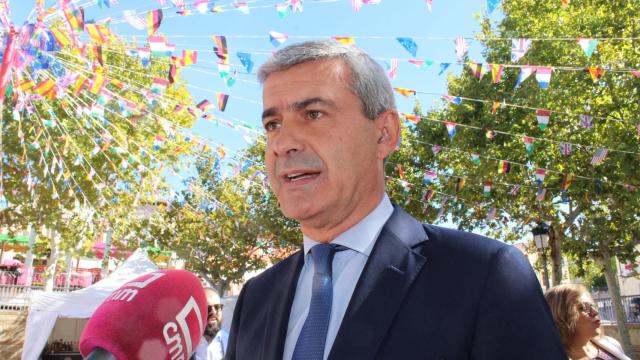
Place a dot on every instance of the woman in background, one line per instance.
(577, 320)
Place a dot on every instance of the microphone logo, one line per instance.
(174, 332)
(124, 293)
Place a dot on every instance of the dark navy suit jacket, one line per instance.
(426, 292)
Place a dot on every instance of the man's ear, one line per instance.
(388, 126)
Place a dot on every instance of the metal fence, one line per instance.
(18, 297)
(630, 304)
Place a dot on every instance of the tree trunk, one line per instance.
(28, 262)
(54, 241)
(555, 244)
(614, 290)
(104, 272)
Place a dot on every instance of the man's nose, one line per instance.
(287, 140)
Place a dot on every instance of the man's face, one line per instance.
(323, 156)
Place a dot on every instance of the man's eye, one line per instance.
(314, 114)
(271, 125)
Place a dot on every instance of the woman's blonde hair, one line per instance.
(562, 300)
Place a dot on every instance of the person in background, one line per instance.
(370, 282)
(577, 320)
(213, 343)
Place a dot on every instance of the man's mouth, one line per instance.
(298, 176)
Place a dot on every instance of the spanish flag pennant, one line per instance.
(189, 57)
(154, 19)
(26, 85)
(404, 91)
(496, 72)
(61, 37)
(496, 105)
(349, 40)
(222, 101)
(411, 117)
(44, 87)
(75, 18)
(400, 171)
(567, 180)
(80, 83)
(97, 84)
(99, 34)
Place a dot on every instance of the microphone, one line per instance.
(160, 315)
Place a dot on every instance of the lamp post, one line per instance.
(541, 238)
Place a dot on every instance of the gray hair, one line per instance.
(368, 80)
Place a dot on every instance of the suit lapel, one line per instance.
(386, 277)
(279, 307)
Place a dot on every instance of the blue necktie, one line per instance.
(310, 344)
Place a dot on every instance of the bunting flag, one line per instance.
(489, 134)
(519, 48)
(411, 117)
(540, 194)
(596, 73)
(158, 140)
(400, 171)
(393, 69)
(427, 195)
(135, 21)
(491, 215)
(597, 186)
(460, 182)
(80, 83)
(528, 143)
(565, 149)
(452, 99)
(487, 188)
(476, 69)
(461, 48)
(222, 101)
(345, 40)
(443, 202)
(245, 59)
(26, 85)
(443, 67)
(204, 105)
(44, 87)
(588, 45)
(243, 7)
(409, 45)
(515, 190)
(451, 129)
(635, 73)
(99, 34)
(567, 180)
(221, 50)
(430, 176)
(504, 167)
(223, 70)
(62, 38)
(435, 149)
(429, 4)
(599, 156)
(586, 121)
(159, 85)
(630, 188)
(525, 72)
(75, 18)
(154, 19)
(282, 10)
(405, 91)
(475, 158)
(540, 174)
(492, 5)
(277, 38)
(201, 5)
(495, 106)
(159, 47)
(543, 75)
(421, 64)
(543, 118)
(189, 57)
(496, 72)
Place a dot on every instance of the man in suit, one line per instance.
(371, 281)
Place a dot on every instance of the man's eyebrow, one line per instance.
(299, 105)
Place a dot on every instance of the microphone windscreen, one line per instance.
(160, 315)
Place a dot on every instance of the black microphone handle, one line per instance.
(100, 354)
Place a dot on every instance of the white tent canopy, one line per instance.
(46, 308)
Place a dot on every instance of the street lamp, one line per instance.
(541, 238)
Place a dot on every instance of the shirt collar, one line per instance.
(361, 236)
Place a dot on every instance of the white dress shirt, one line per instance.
(346, 270)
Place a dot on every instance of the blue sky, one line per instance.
(375, 28)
